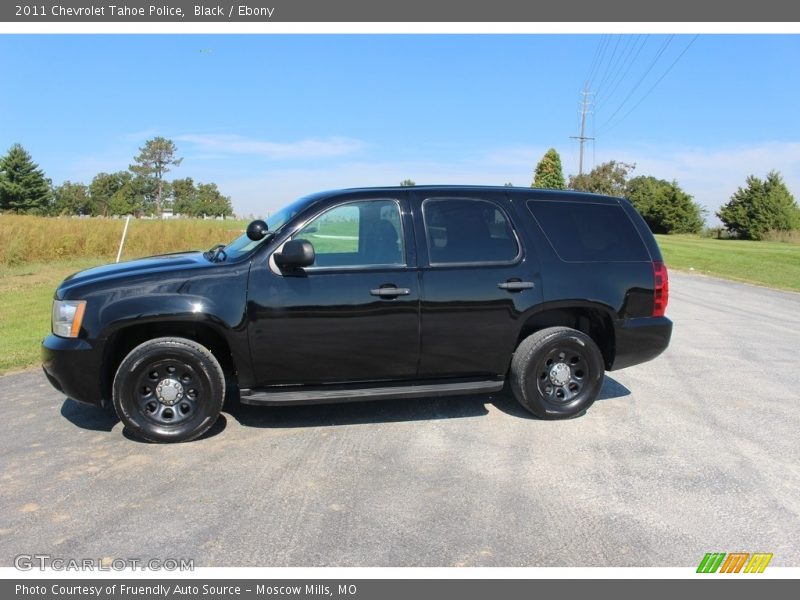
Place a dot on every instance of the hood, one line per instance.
(132, 268)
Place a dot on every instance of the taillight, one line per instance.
(661, 294)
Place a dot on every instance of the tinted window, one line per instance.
(467, 231)
(361, 233)
(583, 232)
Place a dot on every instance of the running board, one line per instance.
(323, 394)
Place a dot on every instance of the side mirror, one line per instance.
(257, 230)
(295, 253)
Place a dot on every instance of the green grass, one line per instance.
(26, 294)
(774, 264)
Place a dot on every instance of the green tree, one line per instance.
(23, 186)
(548, 173)
(759, 207)
(184, 196)
(72, 199)
(665, 206)
(203, 199)
(105, 186)
(408, 183)
(211, 202)
(155, 159)
(129, 198)
(608, 178)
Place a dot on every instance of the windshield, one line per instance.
(243, 244)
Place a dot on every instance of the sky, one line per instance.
(272, 117)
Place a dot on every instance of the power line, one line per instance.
(611, 73)
(626, 65)
(641, 79)
(602, 53)
(647, 93)
(608, 66)
(590, 74)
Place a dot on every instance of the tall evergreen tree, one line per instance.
(759, 207)
(548, 173)
(155, 159)
(23, 186)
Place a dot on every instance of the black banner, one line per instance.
(255, 11)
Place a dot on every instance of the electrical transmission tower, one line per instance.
(582, 137)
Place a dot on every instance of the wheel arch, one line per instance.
(595, 320)
(124, 339)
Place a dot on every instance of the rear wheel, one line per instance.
(169, 390)
(557, 373)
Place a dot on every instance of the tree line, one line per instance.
(755, 209)
(140, 190)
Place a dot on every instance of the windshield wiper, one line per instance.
(215, 252)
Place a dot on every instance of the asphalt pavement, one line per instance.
(697, 451)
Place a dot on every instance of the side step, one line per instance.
(338, 393)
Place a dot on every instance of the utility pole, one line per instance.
(582, 137)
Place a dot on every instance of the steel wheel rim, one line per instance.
(562, 375)
(169, 392)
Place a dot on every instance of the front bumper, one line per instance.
(640, 340)
(73, 367)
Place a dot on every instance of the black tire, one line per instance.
(551, 391)
(169, 389)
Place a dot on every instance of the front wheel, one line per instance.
(169, 390)
(557, 373)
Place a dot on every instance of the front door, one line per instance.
(353, 315)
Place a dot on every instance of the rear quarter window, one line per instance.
(587, 232)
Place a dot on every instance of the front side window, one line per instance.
(463, 230)
(357, 234)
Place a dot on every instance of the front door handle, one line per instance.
(390, 292)
(515, 285)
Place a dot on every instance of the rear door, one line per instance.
(477, 281)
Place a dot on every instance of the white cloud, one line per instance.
(276, 187)
(300, 149)
(711, 175)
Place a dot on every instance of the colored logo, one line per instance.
(734, 562)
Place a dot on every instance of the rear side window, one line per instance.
(584, 232)
(461, 230)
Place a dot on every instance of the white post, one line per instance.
(124, 233)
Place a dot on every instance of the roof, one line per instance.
(545, 194)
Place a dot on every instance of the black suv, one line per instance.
(368, 294)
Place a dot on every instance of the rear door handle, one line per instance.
(516, 286)
(390, 292)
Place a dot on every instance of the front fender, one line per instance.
(156, 308)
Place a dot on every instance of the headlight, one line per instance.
(67, 317)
